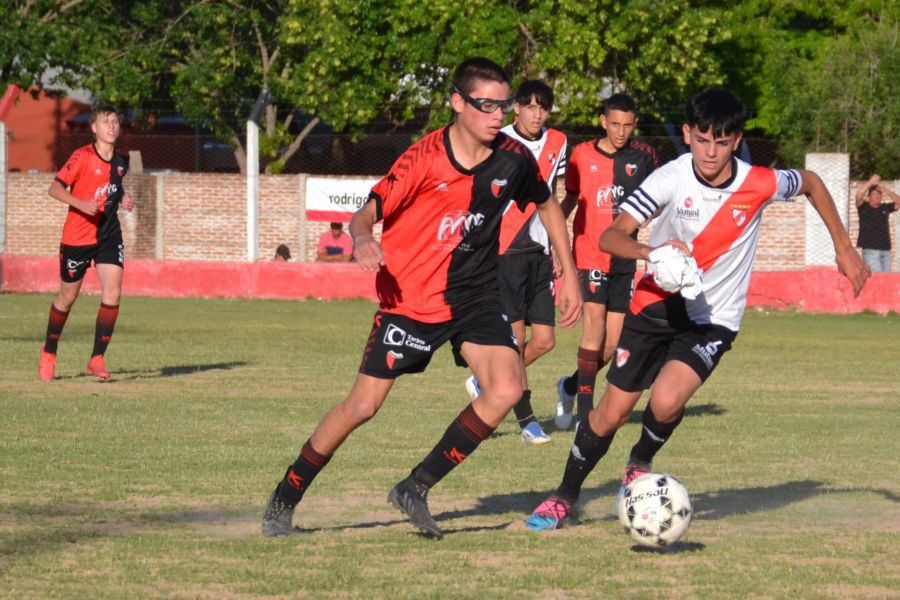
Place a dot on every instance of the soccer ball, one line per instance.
(654, 509)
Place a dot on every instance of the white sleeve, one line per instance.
(653, 194)
(789, 182)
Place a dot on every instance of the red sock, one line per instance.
(55, 325)
(106, 322)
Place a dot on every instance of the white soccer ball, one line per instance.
(655, 509)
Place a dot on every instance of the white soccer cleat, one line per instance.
(533, 434)
(564, 405)
(472, 387)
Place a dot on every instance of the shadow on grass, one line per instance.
(174, 371)
(549, 425)
(707, 506)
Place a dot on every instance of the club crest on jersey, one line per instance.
(630, 169)
(622, 356)
(392, 357)
(739, 215)
(497, 186)
(120, 171)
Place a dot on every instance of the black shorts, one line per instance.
(527, 291)
(75, 260)
(399, 344)
(612, 289)
(646, 345)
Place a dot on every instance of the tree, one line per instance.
(822, 78)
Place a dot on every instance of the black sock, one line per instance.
(588, 365)
(570, 383)
(587, 450)
(458, 442)
(55, 324)
(106, 323)
(653, 436)
(523, 410)
(301, 474)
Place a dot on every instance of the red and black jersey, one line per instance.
(601, 181)
(441, 224)
(88, 176)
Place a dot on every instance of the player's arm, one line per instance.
(618, 241)
(366, 250)
(848, 260)
(58, 191)
(570, 301)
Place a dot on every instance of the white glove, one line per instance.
(675, 272)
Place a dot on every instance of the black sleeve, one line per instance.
(534, 188)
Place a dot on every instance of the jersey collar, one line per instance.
(494, 145)
(725, 184)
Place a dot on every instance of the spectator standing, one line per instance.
(874, 223)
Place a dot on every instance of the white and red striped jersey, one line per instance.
(722, 223)
(523, 231)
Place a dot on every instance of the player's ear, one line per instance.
(737, 141)
(603, 120)
(457, 102)
(686, 132)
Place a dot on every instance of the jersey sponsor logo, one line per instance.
(458, 224)
(622, 356)
(392, 357)
(497, 186)
(707, 352)
(607, 196)
(630, 169)
(97, 172)
(104, 191)
(594, 168)
(685, 212)
(442, 187)
(739, 215)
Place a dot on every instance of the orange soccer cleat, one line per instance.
(47, 365)
(97, 367)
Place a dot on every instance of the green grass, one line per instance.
(152, 485)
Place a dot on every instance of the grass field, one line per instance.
(152, 485)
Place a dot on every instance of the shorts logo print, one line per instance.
(394, 336)
(707, 352)
(622, 357)
(392, 358)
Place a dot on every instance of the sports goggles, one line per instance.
(487, 105)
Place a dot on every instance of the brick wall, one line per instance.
(202, 217)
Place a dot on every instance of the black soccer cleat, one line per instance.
(411, 497)
(276, 520)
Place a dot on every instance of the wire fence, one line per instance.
(329, 154)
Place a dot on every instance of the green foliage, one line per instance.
(816, 75)
(822, 77)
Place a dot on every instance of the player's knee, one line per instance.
(506, 393)
(543, 345)
(361, 410)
